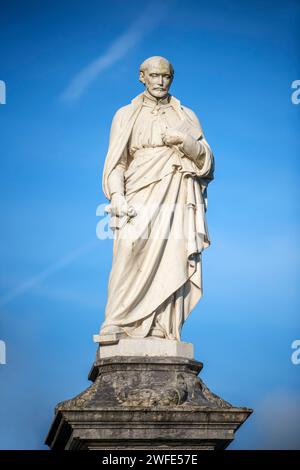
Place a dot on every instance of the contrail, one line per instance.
(40, 277)
(150, 18)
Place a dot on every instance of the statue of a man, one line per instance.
(156, 173)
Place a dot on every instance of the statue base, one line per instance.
(147, 347)
(145, 402)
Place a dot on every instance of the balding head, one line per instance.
(157, 74)
(159, 62)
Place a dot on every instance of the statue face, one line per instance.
(157, 78)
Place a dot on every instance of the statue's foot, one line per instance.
(156, 332)
(110, 334)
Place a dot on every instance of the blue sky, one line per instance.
(68, 66)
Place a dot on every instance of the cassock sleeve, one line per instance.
(116, 177)
(199, 151)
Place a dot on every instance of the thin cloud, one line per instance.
(149, 19)
(34, 281)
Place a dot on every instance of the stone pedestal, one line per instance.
(145, 402)
(147, 348)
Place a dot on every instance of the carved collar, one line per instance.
(150, 100)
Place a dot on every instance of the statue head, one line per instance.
(157, 75)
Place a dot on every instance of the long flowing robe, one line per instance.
(155, 280)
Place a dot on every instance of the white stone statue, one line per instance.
(156, 174)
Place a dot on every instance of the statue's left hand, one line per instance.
(173, 137)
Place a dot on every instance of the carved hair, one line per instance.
(146, 62)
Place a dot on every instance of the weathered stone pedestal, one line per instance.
(145, 402)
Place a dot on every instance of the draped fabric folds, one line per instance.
(155, 280)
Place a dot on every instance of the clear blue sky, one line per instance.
(68, 66)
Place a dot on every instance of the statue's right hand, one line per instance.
(118, 205)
